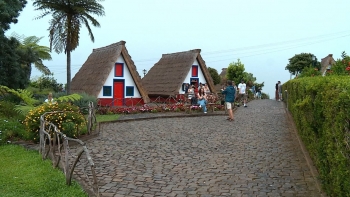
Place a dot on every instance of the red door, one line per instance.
(118, 93)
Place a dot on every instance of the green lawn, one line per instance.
(24, 173)
(105, 118)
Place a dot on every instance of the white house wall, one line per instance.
(127, 77)
(201, 78)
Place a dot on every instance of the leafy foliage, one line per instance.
(83, 103)
(6, 109)
(214, 75)
(46, 82)
(321, 110)
(25, 95)
(65, 25)
(300, 61)
(32, 53)
(11, 72)
(11, 129)
(235, 71)
(341, 66)
(9, 11)
(69, 98)
(309, 72)
(68, 119)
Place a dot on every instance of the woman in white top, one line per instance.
(190, 92)
(206, 89)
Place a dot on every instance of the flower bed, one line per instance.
(178, 107)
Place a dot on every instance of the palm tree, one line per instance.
(33, 53)
(67, 18)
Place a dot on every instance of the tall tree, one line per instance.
(10, 10)
(299, 61)
(214, 75)
(11, 74)
(33, 53)
(67, 18)
(235, 71)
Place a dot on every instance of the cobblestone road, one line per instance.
(256, 155)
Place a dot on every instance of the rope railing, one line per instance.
(60, 153)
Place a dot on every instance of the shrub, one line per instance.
(70, 121)
(321, 111)
(83, 103)
(46, 82)
(11, 129)
(7, 109)
(309, 72)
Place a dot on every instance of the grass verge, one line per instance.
(24, 173)
(106, 118)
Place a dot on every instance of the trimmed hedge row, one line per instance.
(321, 110)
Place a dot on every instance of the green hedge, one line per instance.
(321, 110)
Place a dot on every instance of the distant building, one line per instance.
(326, 64)
(169, 75)
(110, 74)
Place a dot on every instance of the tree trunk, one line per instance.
(68, 71)
(29, 71)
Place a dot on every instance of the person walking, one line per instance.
(279, 91)
(230, 94)
(253, 91)
(276, 92)
(242, 94)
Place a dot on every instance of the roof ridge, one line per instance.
(193, 50)
(122, 42)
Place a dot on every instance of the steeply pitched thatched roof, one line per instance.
(325, 62)
(167, 75)
(93, 74)
(223, 72)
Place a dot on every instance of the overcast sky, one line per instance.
(262, 34)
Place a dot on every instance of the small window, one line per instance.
(129, 91)
(183, 86)
(194, 71)
(119, 71)
(107, 90)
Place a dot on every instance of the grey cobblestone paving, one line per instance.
(255, 155)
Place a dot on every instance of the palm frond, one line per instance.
(69, 98)
(23, 109)
(25, 95)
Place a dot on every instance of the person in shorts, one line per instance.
(230, 94)
(242, 92)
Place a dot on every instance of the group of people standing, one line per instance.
(200, 95)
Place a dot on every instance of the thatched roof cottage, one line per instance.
(109, 74)
(326, 63)
(169, 75)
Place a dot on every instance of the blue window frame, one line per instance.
(107, 90)
(129, 91)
